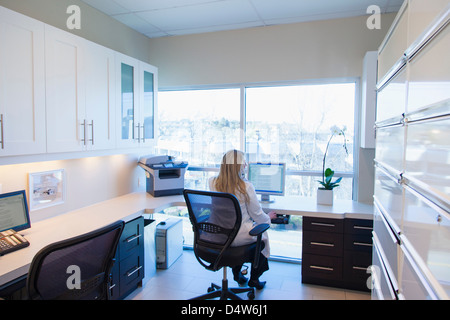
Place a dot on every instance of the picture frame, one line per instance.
(46, 189)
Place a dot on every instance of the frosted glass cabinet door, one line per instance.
(22, 85)
(429, 73)
(390, 146)
(428, 154)
(127, 101)
(149, 89)
(427, 228)
(391, 99)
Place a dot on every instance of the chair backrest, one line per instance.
(77, 268)
(216, 218)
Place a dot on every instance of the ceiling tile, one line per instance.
(146, 5)
(203, 15)
(107, 6)
(135, 22)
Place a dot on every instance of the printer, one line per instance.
(164, 175)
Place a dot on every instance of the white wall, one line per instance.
(310, 50)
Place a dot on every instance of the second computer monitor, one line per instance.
(268, 179)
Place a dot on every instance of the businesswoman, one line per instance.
(231, 179)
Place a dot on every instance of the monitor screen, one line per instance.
(14, 211)
(267, 178)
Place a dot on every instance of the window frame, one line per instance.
(243, 120)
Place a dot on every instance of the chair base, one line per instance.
(225, 293)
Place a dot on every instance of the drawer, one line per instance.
(388, 241)
(356, 268)
(429, 73)
(428, 153)
(358, 226)
(389, 196)
(321, 267)
(381, 280)
(427, 229)
(131, 273)
(323, 243)
(390, 144)
(132, 238)
(358, 243)
(323, 224)
(391, 99)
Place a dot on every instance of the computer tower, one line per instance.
(169, 242)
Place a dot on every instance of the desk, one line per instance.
(130, 206)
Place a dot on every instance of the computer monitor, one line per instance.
(268, 179)
(14, 211)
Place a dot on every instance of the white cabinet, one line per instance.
(80, 93)
(64, 91)
(136, 93)
(100, 98)
(22, 85)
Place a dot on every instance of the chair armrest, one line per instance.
(259, 229)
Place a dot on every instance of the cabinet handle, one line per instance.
(139, 132)
(2, 142)
(362, 228)
(133, 237)
(322, 224)
(143, 134)
(322, 268)
(362, 244)
(129, 273)
(92, 131)
(359, 268)
(322, 244)
(84, 140)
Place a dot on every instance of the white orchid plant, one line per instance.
(327, 174)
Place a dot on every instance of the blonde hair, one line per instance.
(231, 173)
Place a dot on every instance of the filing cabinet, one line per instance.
(128, 270)
(337, 252)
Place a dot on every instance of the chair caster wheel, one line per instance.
(251, 295)
(211, 289)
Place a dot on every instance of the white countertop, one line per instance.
(130, 206)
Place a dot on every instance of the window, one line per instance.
(293, 124)
(288, 123)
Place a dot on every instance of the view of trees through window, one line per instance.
(279, 123)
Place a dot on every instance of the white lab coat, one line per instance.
(252, 215)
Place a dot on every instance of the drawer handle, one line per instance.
(362, 244)
(322, 268)
(129, 273)
(322, 244)
(133, 237)
(323, 224)
(360, 268)
(362, 228)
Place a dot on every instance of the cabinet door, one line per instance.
(64, 91)
(148, 88)
(22, 85)
(127, 101)
(99, 128)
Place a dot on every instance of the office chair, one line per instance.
(78, 268)
(216, 218)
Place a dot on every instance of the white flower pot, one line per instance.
(325, 197)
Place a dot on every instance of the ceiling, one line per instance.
(160, 18)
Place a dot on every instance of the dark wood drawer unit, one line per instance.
(128, 271)
(336, 252)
